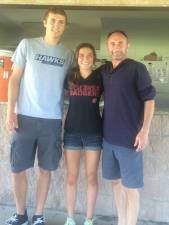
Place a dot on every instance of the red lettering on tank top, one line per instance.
(85, 90)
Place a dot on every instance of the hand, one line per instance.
(141, 140)
(11, 121)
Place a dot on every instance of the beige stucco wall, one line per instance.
(139, 3)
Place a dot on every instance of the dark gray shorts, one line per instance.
(36, 136)
(125, 163)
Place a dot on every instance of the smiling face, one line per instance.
(117, 45)
(85, 58)
(55, 25)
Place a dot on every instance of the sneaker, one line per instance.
(89, 222)
(38, 220)
(70, 221)
(18, 219)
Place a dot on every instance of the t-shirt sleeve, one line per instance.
(144, 83)
(19, 56)
(100, 77)
(100, 73)
(66, 82)
(71, 62)
(101, 83)
(70, 68)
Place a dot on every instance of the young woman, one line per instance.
(83, 129)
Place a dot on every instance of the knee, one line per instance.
(18, 175)
(44, 173)
(92, 179)
(131, 192)
(116, 183)
(71, 179)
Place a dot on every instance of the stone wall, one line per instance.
(154, 196)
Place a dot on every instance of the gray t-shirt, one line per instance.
(45, 68)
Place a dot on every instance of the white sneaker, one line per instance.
(70, 221)
(89, 222)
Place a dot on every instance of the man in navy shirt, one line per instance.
(128, 110)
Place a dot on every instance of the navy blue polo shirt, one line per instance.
(126, 88)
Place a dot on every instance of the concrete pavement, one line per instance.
(57, 218)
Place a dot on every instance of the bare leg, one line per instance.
(43, 182)
(19, 182)
(127, 203)
(133, 199)
(72, 161)
(120, 201)
(91, 165)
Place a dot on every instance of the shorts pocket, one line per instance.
(59, 141)
(12, 154)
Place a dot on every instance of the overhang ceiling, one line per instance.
(78, 19)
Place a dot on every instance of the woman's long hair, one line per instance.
(75, 75)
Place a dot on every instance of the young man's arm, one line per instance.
(141, 139)
(13, 91)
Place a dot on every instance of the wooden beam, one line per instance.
(94, 3)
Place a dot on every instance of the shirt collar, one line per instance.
(122, 63)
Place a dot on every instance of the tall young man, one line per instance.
(128, 111)
(36, 90)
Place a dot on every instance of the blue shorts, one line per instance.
(36, 135)
(82, 142)
(122, 163)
